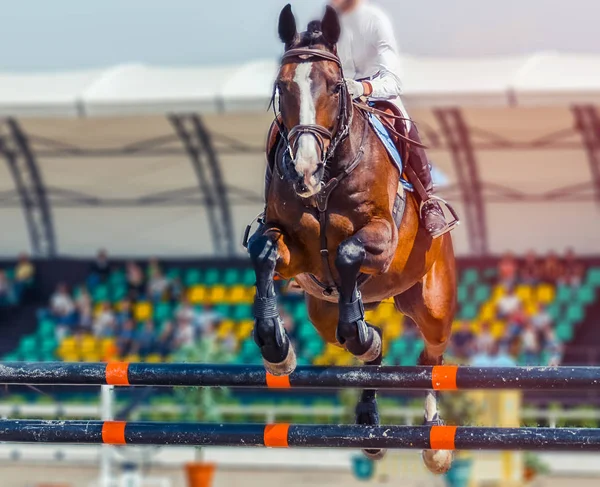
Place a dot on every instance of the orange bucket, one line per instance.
(200, 474)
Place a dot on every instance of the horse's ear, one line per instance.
(287, 25)
(330, 25)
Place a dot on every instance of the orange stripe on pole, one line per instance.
(278, 381)
(113, 432)
(276, 435)
(442, 437)
(443, 377)
(117, 374)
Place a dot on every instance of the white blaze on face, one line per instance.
(307, 154)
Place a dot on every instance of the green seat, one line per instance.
(100, 293)
(224, 310)
(554, 310)
(470, 276)
(241, 312)
(462, 293)
(248, 278)
(564, 294)
(117, 277)
(192, 277)
(468, 311)
(28, 345)
(564, 331)
(489, 273)
(118, 292)
(162, 312)
(482, 293)
(173, 273)
(574, 313)
(46, 328)
(593, 276)
(586, 294)
(212, 277)
(231, 276)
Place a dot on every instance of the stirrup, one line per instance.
(449, 225)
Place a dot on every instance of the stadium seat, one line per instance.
(196, 294)
(192, 277)
(142, 311)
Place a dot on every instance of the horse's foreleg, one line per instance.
(431, 304)
(266, 251)
(371, 250)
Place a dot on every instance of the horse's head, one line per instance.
(313, 99)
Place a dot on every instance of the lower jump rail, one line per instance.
(300, 436)
(444, 377)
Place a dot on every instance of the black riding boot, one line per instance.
(432, 214)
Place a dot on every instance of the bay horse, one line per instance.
(329, 223)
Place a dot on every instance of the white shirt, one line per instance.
(368, 49)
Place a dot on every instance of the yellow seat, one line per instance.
(153, 358)
(498, 329)
(545, 293)
(524, 292)
(132, 358)
(71, 357)
(250, 292)
(225, 329)
(497, 293)
(142, 311)
(196, 294)
(487, 312)
(237, 295)
(88, 344)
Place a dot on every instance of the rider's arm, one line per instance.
(386, 85)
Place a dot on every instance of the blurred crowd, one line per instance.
(75, 313)
(15, 282)
(529, 338)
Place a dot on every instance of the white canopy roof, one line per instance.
(543, 78)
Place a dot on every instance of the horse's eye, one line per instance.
(337, 88)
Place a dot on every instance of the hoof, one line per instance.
(438, 461)
(374, 454)
(374, 351)
(286, 367)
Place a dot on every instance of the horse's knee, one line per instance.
(351, 253)
(263, 252)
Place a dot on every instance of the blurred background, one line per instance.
(132, 135)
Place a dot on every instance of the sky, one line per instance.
(50, 35)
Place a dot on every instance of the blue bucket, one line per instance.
(459, 474)
(362, 467)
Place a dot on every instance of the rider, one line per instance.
(371, 62)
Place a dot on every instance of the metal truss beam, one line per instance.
(199, 147)
(458, 140)
(15, 149)
(587, 122)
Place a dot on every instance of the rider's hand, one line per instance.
(355, 88)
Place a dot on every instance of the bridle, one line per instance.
(320, 133)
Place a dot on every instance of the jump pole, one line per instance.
(305, 377)
(300, 436)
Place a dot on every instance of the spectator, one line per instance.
(62, 306)
(517, 321)
(553, 270)
(100, 269)
(507, 270)
(484, 341)
(135, 281)
(497, 357)
(553, 347)
(153, 267)
(105, 321)
(146, 339)
(158, 285)
(83, 304)
(176, 290)
(166, 340)
(573, 270)
(530, 344)
(541, 319)
(184, 334)
(7, 294)
(24, 275)
(125, 312)
(530, 271)
(185, 311)
(462, 341)
(125, 338)
(509, 303)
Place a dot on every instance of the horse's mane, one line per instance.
(312, 37)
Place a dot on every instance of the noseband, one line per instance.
(320, 133)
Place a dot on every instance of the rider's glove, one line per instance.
(355, 88)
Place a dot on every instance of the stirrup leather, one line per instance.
(449, 225)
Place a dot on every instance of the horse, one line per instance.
(329, 222)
